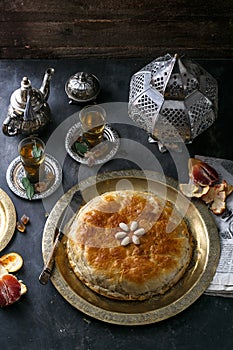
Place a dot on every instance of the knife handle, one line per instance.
(48, 267)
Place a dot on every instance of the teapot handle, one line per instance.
(12, 125)
(9, 128)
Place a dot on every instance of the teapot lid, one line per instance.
(82, 87)
(18, 98)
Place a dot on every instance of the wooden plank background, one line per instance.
(124, 28)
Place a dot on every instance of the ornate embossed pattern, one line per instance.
(7, 219)
(189, 288)
(15, 172)
(174, 99)
(109, 134)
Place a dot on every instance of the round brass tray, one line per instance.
(195, 281)
(7, 219)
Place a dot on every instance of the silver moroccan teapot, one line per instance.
(28, 111)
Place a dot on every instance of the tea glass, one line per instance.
(93, 120)
(32, 154)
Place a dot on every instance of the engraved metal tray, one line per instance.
(189, 288)
(110, 135)
(15, 173)
(7, 219)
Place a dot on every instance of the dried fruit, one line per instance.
(133, 225)
(12, 262)
(213, 191)
(193, 190)
(139, 232)
(216, 196)
(201, 172)
(219, 205)
(23, 287)
(120, 235)
(136, 240)
(130, 234)
(203, 185)
(229, 189)
(125, 241)
(11, 288)
(40, 187)
(49, 177)
(3, 270)
(123, 226)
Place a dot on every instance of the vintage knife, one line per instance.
(67, 215)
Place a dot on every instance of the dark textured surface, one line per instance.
(42, 319)
(123, 28)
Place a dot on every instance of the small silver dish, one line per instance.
(82, 87)
(110, 144)
(15, 173)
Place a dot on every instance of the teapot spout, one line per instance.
(45, 87)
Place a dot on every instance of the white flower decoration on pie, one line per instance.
(130, 233)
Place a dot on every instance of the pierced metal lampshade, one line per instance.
(174, 99)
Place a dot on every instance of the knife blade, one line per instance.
(66, 217)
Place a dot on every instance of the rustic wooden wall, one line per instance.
(111, 28)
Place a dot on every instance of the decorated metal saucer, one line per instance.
(78, 150)
(7, 219)
(15, 173)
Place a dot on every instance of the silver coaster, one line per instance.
(110, 144)
(15, 173)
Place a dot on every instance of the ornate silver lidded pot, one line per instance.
(174, 99)
(82, 87)
(28, 111)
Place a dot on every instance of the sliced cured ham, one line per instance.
(3, 296)
(10, 288)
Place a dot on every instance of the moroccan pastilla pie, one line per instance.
(129, 245)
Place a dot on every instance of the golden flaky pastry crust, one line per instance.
(134, 271)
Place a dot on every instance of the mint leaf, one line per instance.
(25, 182)
(28, 187)
(36, 151)
(80, 147)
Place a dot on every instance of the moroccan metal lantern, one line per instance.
(174, 99)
